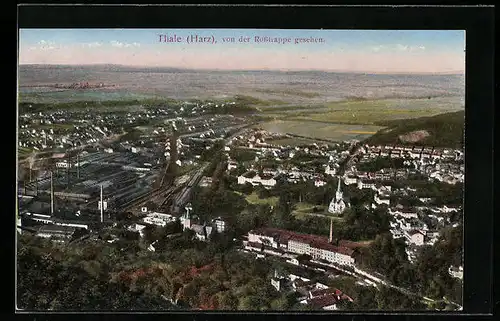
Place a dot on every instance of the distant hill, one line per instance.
(443, 130)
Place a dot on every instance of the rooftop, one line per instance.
(56, 229)
(313, 240)
(323, 301)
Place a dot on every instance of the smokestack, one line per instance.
(30, 173)
(69, 166)
(102, 207)
(330, 239)
(51, 194)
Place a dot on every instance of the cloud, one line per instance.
(377, 48)
(45, 42)
(397, 48)
(44, 45)
(401, 47)
(119, 44)
(91, 44)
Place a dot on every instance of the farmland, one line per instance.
(320, 130)
(365, 112)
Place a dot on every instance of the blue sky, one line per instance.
(357, 50)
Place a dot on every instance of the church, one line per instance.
(338, 203)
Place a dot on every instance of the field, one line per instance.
(254, 199)
(290, 92)
(303, 210)
(319, 130)
(364, 111)
(444, 130)
(24, 152)
(304, 87)
(292, 141)
(74, 95)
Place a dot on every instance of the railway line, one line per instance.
(142, 199)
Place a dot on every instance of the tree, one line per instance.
(247, 188)
(282, 213)
(280, 304)
(248, 303)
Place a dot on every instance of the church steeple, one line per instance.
(338, 195)
(338, 204)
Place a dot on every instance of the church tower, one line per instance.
(339, 194)
(187, 218)
(337, 205)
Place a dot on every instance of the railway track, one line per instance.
(142, 199)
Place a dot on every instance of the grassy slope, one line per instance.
(254, 199)
(446, 130)
(360, 111)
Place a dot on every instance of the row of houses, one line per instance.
(282, 241)
(414, 152)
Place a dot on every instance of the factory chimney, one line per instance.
(51, 194)
(330, 239)
(78, 166)
(69, 166)
(102, 207)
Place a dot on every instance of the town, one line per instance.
(194, 170)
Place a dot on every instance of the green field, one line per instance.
(358, 111)
(292, 141)
(319, 130)
(75, 95)
(306, 94)
(254, 199)
(445, 130)
(302, 210)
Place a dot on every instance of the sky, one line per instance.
(382, 51)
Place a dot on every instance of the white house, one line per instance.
(159, 219)
(256, 180)
(137, 228)
(231, 165)
(365, 184)
(319, 183)
(350, 179)
(456, 272)
(330, 170)
(382, 199)
(220, 225)
(403, 213)
(416, 237)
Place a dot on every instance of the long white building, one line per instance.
(256, 180)
(318, 247)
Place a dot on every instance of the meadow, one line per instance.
(254, 199)
(365, 112)
(320, 130)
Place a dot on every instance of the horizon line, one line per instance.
(456, 72)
